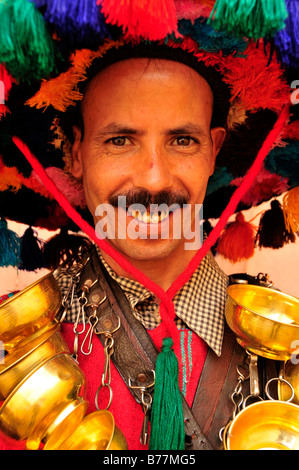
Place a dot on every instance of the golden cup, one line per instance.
(265, 321)
(29, 314)
(57, 426)
(46, 346)
(266, 425)
(97, 431)
(41, 395)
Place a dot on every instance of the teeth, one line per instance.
(148, 218)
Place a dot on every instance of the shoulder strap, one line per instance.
(135, 357)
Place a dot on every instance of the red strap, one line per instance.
(166, 307)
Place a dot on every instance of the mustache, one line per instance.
(146, 198)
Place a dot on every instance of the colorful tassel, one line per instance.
(272, 231)
(284, 161)
(287, 40)
(79, 21)
(62, 91)
(250, 18)
(290, 205)
(264, 186)
(237, 241)
(10, 246)
(26, 46)
(211, 40)
(150, 19)
(191, 10)
(167, 421)
(31, 251)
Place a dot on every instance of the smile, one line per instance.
(148, 217)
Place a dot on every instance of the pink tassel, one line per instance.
(150, 19)
(68, 185)
(191, 10)
(263, 187)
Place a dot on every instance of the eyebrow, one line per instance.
(119, 129)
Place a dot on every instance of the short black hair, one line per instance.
(221, 92)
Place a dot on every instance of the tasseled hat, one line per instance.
(247, 51)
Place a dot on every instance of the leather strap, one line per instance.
(135, 357)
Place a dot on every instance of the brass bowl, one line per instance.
(291, 374)
(265, 321)
(47, 346)
(266, 425)
(30, 313)
(97, 431)
(56, 427)
(47, 390)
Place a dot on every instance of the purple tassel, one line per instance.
(79, 21)
(287, 40)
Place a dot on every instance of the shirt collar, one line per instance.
(200, 303)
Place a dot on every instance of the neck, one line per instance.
(161, 271)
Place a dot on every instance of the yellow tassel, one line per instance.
(290, 205)
(62, 91)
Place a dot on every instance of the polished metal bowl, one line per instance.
(265, 321)
(266, 425)
(97, 431)
(41, 395)
(29, 314)
(49, 344)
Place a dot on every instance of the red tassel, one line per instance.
(150, 19)
(237, 240)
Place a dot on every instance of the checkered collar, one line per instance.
(199, 304)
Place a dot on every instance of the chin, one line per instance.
(147, 250)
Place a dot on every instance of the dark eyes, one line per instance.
(118, 141)
(182, 141)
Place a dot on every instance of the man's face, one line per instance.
(146, 134)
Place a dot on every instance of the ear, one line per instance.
(76, 168)
(218, 135)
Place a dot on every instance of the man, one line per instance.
(147, 136)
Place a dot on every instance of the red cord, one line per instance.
(166, 307)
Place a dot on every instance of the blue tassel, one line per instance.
(211, 40)
(285, 162)
(287, 40)
(10, 246)
(79, 21)
(219, 179)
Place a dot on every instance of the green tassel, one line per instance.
(167, 421)
(10, 246)
(26, 46)
(249, 18)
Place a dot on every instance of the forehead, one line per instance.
(150, 82)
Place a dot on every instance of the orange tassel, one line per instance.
(10, 178)
(237, 240)
(62, 91)
(290, 204)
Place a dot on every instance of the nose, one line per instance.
(153, 170)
